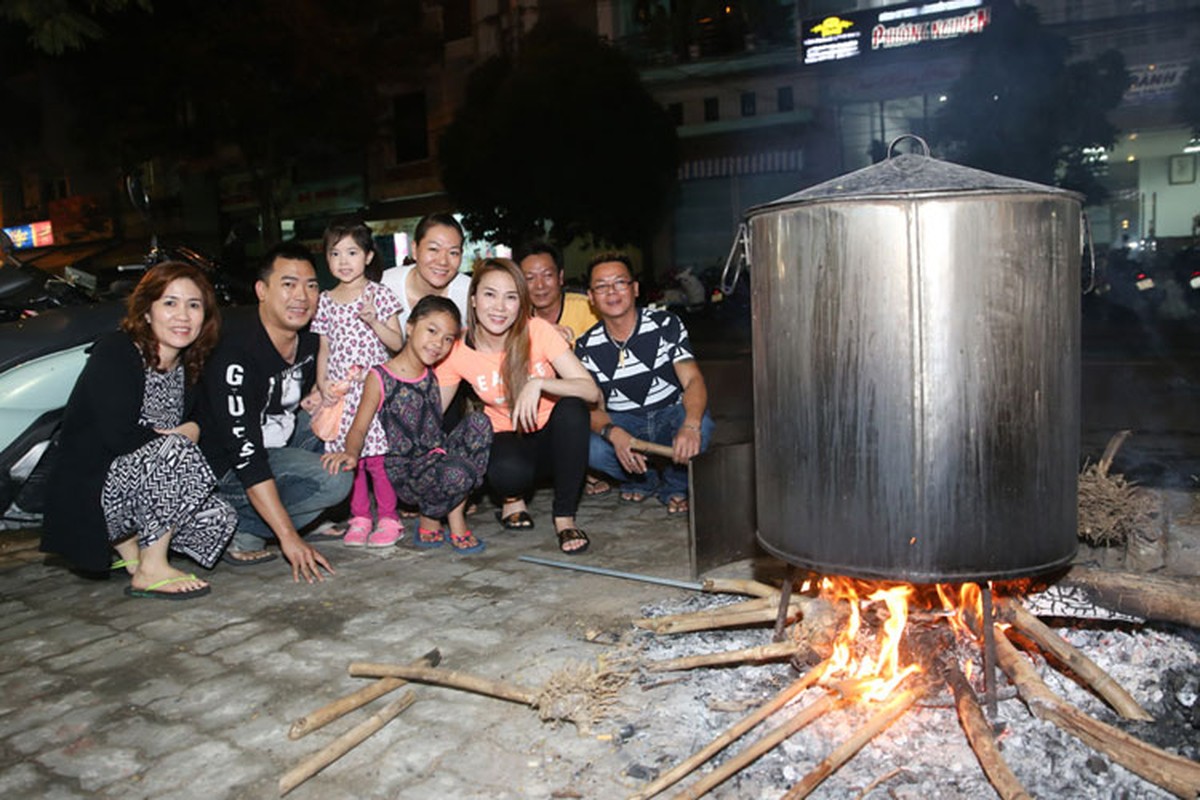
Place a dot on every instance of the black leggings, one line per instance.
(558, 450)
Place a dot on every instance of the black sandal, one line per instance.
(567, 535)
(516, 521)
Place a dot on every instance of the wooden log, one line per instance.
(756, 749)
(892, 710)
(731, 734)
(740, 586)
(1113, 693)
(344, 705)
(651, 448)
(343, 744)
(1149, 596)
(766, 652)
(445, 677)
(979, 734)
(747, 612)
(1177, 775)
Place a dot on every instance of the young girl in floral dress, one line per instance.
(359, 328)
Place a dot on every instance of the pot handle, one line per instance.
(1085, 236)
(740, 251)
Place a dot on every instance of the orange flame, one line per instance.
(871, 678)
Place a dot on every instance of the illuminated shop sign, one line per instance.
(837, 38)
(37, 234)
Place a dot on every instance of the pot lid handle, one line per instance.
(891, 151)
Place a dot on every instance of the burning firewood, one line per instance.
(1112, 692)
(766, 652)
(731, 735)
(1177, 775)
(891, 711)
(747, 612)
(1148, 596)
(979, 733)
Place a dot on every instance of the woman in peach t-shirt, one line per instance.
(534, 391)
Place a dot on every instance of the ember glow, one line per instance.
(863, 675)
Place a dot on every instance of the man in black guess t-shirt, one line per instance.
(267, 461)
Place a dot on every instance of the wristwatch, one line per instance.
(606, 431)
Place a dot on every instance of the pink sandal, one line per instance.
(387, 533)
(357, 532)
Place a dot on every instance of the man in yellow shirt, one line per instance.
(569, 312)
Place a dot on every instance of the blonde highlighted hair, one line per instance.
(515, 369)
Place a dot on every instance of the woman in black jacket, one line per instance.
(128, 473)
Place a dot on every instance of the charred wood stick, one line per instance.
(740, 586)
(343, 744)
(756, 749)
(891, 711)
(765, 652)
(445, 677)
(344, 705)
(1177, 775)
(1104, 685)
(731, 734)
(1150, 596)
(979, 734)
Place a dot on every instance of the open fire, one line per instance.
(894, 645)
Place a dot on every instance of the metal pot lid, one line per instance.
(910, 175)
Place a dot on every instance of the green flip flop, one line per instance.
(152, 589)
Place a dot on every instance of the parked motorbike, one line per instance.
(26, 291)
(46, 331)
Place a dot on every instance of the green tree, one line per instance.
(56, 26)
(1021, 108)
(564, 135)
(259, 86)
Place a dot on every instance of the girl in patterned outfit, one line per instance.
(430, 469)
(358, 327)
(128, 465)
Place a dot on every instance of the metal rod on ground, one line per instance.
(989, 651)
(785, 600)
(613, 573)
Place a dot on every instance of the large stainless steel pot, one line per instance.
(916, 356)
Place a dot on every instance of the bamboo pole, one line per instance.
(1104, 684)
(1177, 775)
(764, 652)
(756, 749)
(652, 449)
(891, 711)
(344, 705)
(979, 734)
(343, 744)
(731, 734)
(445, 677)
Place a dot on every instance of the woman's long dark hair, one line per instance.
(515, 369)
(150, 288)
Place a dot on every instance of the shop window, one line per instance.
(784, 99)
(712, 109)
(411, 127)
(749, 104)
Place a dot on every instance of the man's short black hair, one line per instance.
(291, 250)
(608, 258)
(540, 247)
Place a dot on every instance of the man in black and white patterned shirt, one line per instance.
(652, 387)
